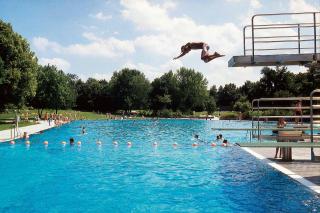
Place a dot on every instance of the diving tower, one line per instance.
(268, 42)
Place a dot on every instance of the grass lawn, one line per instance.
(7, 118)
(21, 124)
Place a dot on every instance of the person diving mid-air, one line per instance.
(205, 55)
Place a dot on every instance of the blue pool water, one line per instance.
(143, 178)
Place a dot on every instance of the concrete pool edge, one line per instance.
(294, 176)
(5, 135)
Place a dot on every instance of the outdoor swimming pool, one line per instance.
(143, 178)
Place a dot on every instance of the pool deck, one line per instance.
(5, 135)
(301, 169)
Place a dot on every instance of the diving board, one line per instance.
(272, 60)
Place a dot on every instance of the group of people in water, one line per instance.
(219, 140)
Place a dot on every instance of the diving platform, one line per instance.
(292, 129)
(272, 60)
(282, 42)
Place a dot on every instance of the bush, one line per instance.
(242, 105)
(229, 115)
(166, 113)
(145, 113)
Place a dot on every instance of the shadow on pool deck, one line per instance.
(301, 164)
(305, 168)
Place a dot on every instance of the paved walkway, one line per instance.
(5, 135)
(301, 169)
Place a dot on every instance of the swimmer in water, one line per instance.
(226, 143)
(83, 130)
(71, 141)
(198, 138)
(219, 138)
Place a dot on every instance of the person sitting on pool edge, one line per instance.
(71, 141)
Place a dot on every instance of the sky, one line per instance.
(94, 38)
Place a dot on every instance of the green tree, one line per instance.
(227, 96)
(211, 105)
(164, 92)
(213, 92)
(251, 90)
(18, 66)
(94, 92)
(192, 90)
(306, 82)
(242, 105)
(55, 90)
(130, 89)
(274, 80)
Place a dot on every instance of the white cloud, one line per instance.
(169, 5)
(149, 71)
(301, 6)
(297, 6)
(95, 75)
(102, 47)
(58, 62)
(97, 47)
(153, 71)
(159, 37)
(43, 44)
(102, 76)
(255, 4)
(100, 16)
(165, 35)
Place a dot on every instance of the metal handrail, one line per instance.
(314, 24)
(284, 41)
(288, 99)
(311, 119)
(256, 105)
(274, 49)
(287, 36)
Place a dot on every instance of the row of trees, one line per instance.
(25, 83)
(185, 90)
